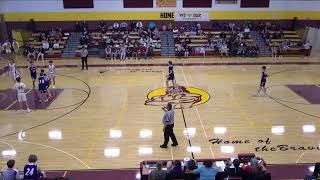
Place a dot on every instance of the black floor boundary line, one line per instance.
(185, 125)
(3, 70)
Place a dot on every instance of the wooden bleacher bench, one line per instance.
(284, 32)
(281, 40)
(291, 36)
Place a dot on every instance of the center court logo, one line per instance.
(179, 96)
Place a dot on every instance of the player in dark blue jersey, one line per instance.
(263, 81)
(31, 170)
(170, 76)
(43, 83)
(33, 73)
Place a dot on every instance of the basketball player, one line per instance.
(170, 76)
(21, 94)
(31, 170)
(51, 73)
(43, 87)
(41, 55)
(13, 70)
(33, 73)
(263, 81)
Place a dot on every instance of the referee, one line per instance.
(168, 124)
(84, 57)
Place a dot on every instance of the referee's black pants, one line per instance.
(168, 132)
(84, 61)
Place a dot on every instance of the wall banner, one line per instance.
(191, 16)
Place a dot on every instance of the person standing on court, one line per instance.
(168, 124)
(84, 57)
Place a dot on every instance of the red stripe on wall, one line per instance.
(197, 3)
(254, 3)
(138, 3)
(77, 4)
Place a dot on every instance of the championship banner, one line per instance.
(191, 16)
(166, 3)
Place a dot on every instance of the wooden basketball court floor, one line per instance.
(100, 119)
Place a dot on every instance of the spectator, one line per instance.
(274, 50)
(55, 45)
(116, 27)
(123, 51)
(156, 35)
(175, 171)
(139, 25)
(158, 173)
(234, 169)
(316, 171)
(10, 173)
(45, 45)
(101, 25)
(307, 49)
(123, 26)
(207, 172)
(175, 30)
(113, 52)
(170, 26)
(224, 50)
(255, 169)
(152, 26)
(31, 52)
(108, 52)
(246, 32)
(133, 26)
(180, 50)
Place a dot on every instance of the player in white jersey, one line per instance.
(51, 73)
(12, 71)
(21, 94)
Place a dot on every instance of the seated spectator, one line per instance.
(175, 171)
(156, 34)
(152, 26)
(133, 26)
(207, 172)
(175, 30)
(108, 52)
(116, 26)
(134, 51)
(45, 45)
(139, 25)
(255, 169)
(123, 26)
(32, 170)
(246, 32)
(170, 26)
(102, 26)
(234, 169)
(10, 173)
(188, 39)
(55, 45)
(158, 173)
(199, 32)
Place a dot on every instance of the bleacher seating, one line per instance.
(203, 41)
(98, 40)
(295, 47)
(37, 39)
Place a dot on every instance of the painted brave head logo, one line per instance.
(179, 96)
